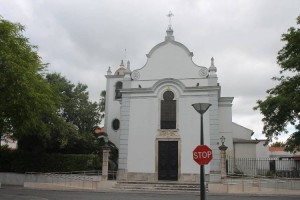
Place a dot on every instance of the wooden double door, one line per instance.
(168, 160)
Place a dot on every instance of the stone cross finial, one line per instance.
(170, 15)
(212, 67)
(108, 71)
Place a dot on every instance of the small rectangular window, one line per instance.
(118, 94)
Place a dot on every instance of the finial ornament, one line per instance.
(170, 36)
(170, 15)
(109, 71)
(128, 64)
(212, 67)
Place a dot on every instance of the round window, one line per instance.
(116, 124)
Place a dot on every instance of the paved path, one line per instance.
(28, 194)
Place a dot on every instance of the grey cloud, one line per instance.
(82, 38)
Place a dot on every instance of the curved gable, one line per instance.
(169, 59)
(172, 41)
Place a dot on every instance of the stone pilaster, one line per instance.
(214, 175)
(223, 149)
(124, 132)
(105, 157)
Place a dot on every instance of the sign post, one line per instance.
(202, 155)
(201, 108)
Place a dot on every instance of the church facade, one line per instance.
(150, 118)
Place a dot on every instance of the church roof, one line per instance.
(121, 70)
(170, 38)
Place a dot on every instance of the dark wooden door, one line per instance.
(168, 160)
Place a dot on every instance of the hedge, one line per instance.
(20, 162)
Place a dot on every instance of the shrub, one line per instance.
(20, 162)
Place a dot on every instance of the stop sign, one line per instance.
(202, 154)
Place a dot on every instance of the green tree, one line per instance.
(282, 104)
(74, 107)
(42, 113)
(102, 103)
(26, 99)
(278, 144)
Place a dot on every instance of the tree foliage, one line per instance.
(102, 103)
(282, 104)
(26, 99)
(75, 110)
(74, 105)
(45, 113)
(278, 144)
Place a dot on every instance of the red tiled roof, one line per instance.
(276, 149)
(99, 130)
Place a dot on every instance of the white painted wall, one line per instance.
(145, 122)
(276, 154)
(245, 150)
(189, 128)
(262, 151)
(241, 132)
(169, 59)
(112, 108)
(188, 82)
(225, 124)
(142, 133)
(170, 67)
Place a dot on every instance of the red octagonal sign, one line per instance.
(202, 154)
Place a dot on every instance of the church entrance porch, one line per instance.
(168, 160)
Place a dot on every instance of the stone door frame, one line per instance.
(168, 135)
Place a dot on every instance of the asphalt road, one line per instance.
(28, 194)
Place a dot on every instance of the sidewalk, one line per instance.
(257, 186)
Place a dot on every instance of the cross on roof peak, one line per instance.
(170, 15)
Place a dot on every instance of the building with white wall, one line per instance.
(150, 118)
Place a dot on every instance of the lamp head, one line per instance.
(222, 139)
(201, 107)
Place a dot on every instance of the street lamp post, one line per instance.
(201, 108)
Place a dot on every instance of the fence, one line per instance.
(272, 167)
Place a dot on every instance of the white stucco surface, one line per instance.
(170, 67)
(245, 150)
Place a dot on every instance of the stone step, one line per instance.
(158, 186)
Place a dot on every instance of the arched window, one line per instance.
(119, 86)
(168, 111)
(115, 124)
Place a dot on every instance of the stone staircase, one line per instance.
(161, 186)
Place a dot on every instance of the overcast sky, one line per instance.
(81, 38)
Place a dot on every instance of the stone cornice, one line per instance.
(225, 101)
(186, 89)
(171, 81)
(114, 76)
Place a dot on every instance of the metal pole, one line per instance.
(202, 186)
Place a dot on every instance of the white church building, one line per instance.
(150, 118)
